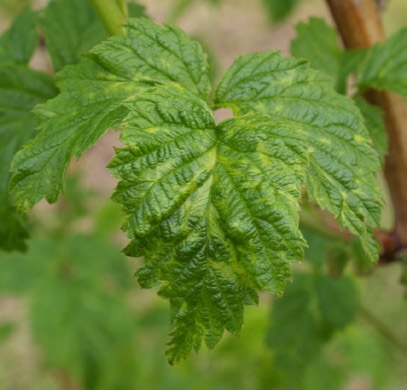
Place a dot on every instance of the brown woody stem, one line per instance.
(360, 26)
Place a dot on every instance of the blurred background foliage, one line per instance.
(72, 317)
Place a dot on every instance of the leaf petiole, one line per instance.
(112, 13)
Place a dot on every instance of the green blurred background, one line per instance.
(72, 315)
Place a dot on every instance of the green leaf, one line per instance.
(324, 251)
(6, 329)
(88, 335)
(71, 27)
(18, 43)
(213, 209)
(318, 43)
(20, 90)
(279, 10)
(91, 99)
(340, 176)
(136, 10)
(375, 125)
(337, 301)
(311, 311)
(385, 65)
(295, 334)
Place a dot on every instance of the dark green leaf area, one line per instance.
(19, 41)
(279, 10)
(71, 27)
(92, 93)
(213, 209)
(136, 10)
(312, 309)
(342, 162)
(385, 65)
(20, 90)
(325, 252)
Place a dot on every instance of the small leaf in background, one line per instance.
(341, 172)
(337, 259)
(19, 41)
(352, 59)
(91, 101)
(71, 27)
(20, 90)
(337, 300)
(318, 43)
(279, 10)
(6, 329)
(136, 10)
(311, 311)
(360, 262)
(213, 209)
(385, 65)
(374, 123)
(295, 335)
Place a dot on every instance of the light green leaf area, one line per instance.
(213, 208)
(342, 161)
(19, 41)
(385, 65)
(91, 99)
(318, 43)
(20, 90)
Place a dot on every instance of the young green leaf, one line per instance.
(340, 176)
(20, 90)
(278, 10)
(385, 65)
(213, 209)
(318, 43)
(18, 43)
(91, 96)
